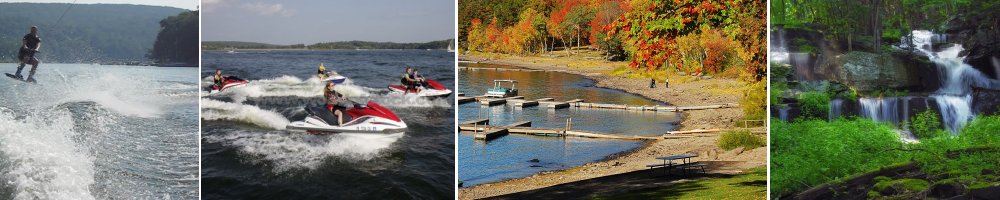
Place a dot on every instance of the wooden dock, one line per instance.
(551, 103)
(486, 132)
(492, 102)
(464, 99)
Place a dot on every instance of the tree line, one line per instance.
(222, 45)
(106, 33)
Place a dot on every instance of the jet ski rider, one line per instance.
(321, 73)
(335, 102)
(219, 80)
(408, 80)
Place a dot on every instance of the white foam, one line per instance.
(106, 88)
(410, 101)
(288, 151)
(218, 110)
(288, 86)
(43, 160)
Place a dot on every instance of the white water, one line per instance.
(836, 108)
(285, 86)
(303, 151)
(47, 148)
(41, 161)
(290, 86)
(218, 110)
(883, 109)
(954, 97)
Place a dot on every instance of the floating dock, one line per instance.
(551, 103)
(483, 131)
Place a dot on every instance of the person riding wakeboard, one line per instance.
(335, 102)
(26, 54)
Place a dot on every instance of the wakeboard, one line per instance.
(16, 78)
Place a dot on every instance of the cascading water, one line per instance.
(883, 109)
(783, 114)
(779, 49)
(955, 95)
(836, 108)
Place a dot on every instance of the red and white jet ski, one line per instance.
(370, 118)
(429, 88)
(228, 82)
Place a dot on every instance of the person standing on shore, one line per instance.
(29, 46)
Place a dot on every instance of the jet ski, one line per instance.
(228, 82)
(334, 77)
(429, 88)
(367, 118)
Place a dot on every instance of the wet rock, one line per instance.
(946, 190)
(978, 36)
(992, 192)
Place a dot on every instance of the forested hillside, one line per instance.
(178, 41)
(218, 45)
(103, 33)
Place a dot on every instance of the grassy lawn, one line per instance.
(750, 185)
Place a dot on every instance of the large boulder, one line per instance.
(865, 71)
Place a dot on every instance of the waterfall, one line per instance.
(955, 110)
(802, 67)
(881, 109)
(783, 113)
(954, 98)
(836, 107)
(779, 51)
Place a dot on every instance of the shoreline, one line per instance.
(635, 159)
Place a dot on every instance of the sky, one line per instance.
(313, 21)
(184, 4)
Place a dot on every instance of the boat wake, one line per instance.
(290, 151)
(54, 135)
(226, 111)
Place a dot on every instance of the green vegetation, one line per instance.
(814, 104)
(88, 33)
(926, 125)
(884, 185)
(740, 138)
(811, 152)
(220, 45)
(178, 40)
(748, 185)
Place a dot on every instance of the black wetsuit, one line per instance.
(32, 42)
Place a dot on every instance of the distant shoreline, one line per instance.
(238, 50)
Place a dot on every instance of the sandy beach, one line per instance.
(680, 93)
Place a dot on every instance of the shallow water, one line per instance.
(99, 132)
(508, 156)
(248, 154)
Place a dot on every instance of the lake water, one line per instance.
(508, 157)
(248, 154)
(99, 132)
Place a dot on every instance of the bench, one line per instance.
(696, 165)
(687, 166)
